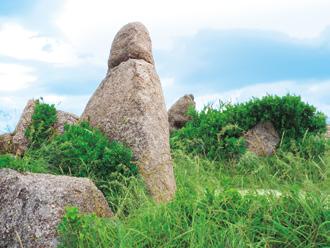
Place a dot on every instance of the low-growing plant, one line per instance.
(26, 164)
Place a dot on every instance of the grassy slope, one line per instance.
(208, 211)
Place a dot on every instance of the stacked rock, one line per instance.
(129, 106)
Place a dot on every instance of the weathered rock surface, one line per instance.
(64, 118)
(129, 106)
(328, 132)
(20, 142)
(262, 139)
(177, 114)
(32, 205)
(131, 42)
(6, 143)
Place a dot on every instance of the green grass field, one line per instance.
(282, 201)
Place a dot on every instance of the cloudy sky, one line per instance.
(215, 49)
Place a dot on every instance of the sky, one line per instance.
(214, 49)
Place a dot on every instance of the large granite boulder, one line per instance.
(20, 142)
(262, 139)
(32, 205)
(177, 114)
(129, 106)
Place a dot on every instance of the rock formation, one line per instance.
(328, 132)
(20, 142)
(32, 205)
(262, 139)
(177, 114)
(129, 106)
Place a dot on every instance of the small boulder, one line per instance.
(131, 42)
(6, 143)
(20, 142)
(177, 114)
(262, 139)
(32, 205)
(64, 118)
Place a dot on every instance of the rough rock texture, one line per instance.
(328, 132)
(131, 42)
(20, 142)
(64, 118)
(177, 114)
(6, 143)
(32, 205)
(129, 106)
(262, 139)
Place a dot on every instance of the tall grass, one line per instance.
(211, 209)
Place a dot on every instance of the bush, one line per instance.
(84, 151)
(217, 133)
(41, 128)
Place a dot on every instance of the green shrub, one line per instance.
(41, 128)
(217, 133)
(84, 151)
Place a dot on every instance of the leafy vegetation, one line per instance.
(226, 196)
(41, 129)
(217, 133)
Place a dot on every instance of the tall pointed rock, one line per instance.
(129, 106)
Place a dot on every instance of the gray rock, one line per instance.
(131, 42)
(177, 114)
(20, 142)
(32, 205)
(64, 118)
(328, 132)
(6, 143)
(129, 106)
(262, 139)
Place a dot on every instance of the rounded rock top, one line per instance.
(131, 42)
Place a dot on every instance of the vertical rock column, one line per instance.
(129, 106)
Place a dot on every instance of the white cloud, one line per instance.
(15, 77)
(314, 93)
(73, 104)
(23, 44)
(91, 24)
